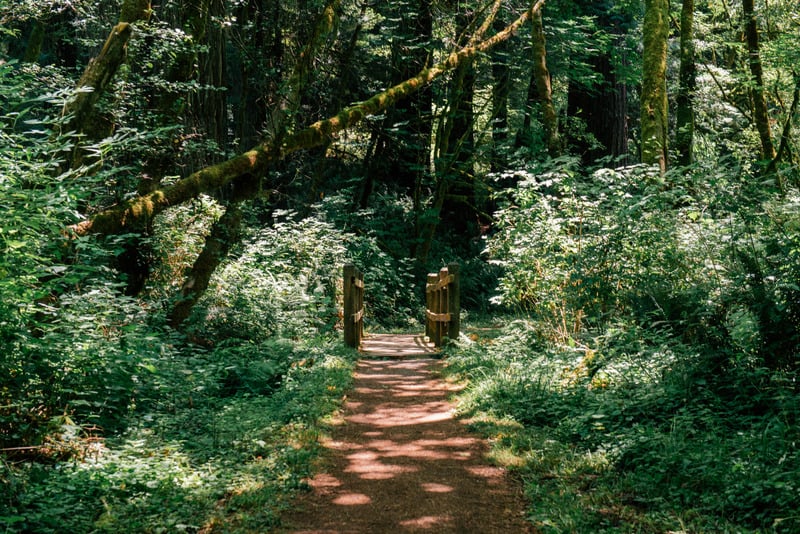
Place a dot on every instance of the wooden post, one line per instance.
(429, 296)
(360, 320)
(353, 316)
(443, 304)
(442, 307)
(454, 302)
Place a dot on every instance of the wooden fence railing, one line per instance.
(443, 305)
(353, 315)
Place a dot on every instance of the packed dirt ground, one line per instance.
(400, 462)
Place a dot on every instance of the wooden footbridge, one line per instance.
(442, 317)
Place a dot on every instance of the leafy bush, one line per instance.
(635, 435)
(207, 450)
(74, 345)
(682, 254)
(285, 280)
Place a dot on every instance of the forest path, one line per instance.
(400, 462)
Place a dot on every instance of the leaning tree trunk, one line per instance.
(225, 233)
(252, 165)
(101, 70)
(655, 30)
(99, 74)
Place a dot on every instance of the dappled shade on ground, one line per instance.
(400, 462)
(397, 346)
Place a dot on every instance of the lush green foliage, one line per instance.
(653, 382)
(683, 254)
(286, 280)
(650, 384)
(222, 437)
(648, 443)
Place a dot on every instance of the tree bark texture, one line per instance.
(654, 123)
(759, 99)
(253, 163)
(501, 89)
(224, 233)
(542, 75)
(687, 84)
(97, 77)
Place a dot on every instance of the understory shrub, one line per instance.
(690, 254)
(219, 441)
(639, 438)
(285, 280)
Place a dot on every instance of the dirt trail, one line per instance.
(400, 462)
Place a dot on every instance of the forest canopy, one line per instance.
(181, 182)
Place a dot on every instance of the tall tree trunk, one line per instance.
(544, 89)
(288, 100)
(259, 70)
(456, 195)
(252, 165)
(501, 89)
(403, 154)
(34, 47)
(654, 121)
(784, 152)
(602, 105)
(524, 136)
(208, 105)
(684, 114)
(756, 70)
(453, 159)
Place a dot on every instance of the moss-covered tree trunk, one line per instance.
(543, 86)
(684, 114)
(225, 233)
(760, 112)
(99, 74)
(654, 122)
